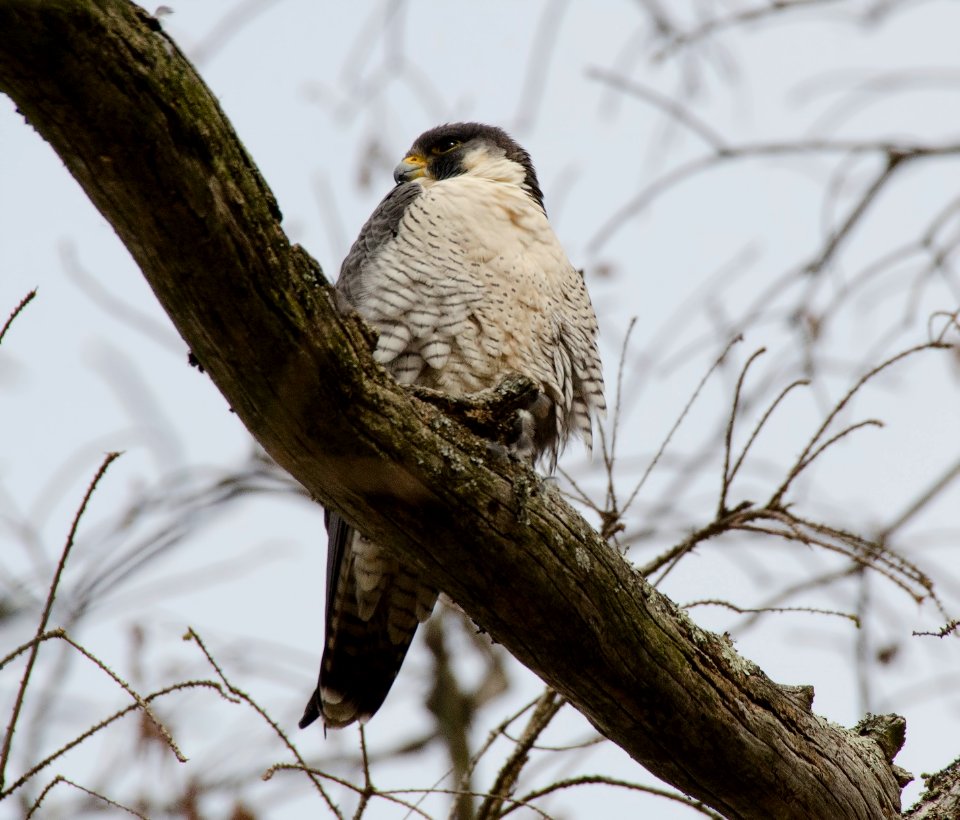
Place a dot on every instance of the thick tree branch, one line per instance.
(144, 137)
(942, 796)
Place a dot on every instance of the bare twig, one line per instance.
(894, 160)
(88, 733)
(547, 707)
(545, 42)
(676, 425)
(666, 104)
(497, 732)
(905, 574)
(191, 635)
(368, 788)
(947, 629)
(313, 774)
(26, 300)
(684, 39)
(807, 456)
(45, 617)
(610, 514)
(728, 437)
(16, 653)
(161, 729)
(937, 486)
(103, 798)
(903, 151)
(763, 420)
(602, 780)
(760, 610)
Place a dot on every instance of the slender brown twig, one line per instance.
(92, 730)
(26, 300)
(45, 616)
(805, 458)
(547, 707)
(602, 780)
(103, 798)
(728, 436)
(760, 610)
(388, 795)
(191, 635)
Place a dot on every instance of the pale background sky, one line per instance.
(326, 97)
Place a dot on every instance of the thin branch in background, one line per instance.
(541, 51)
(709, 28)
(668, 559)
(595, 740)
(383, 22)
(26, 645)
(26, 300)
(596, 779)
(191, 635)
(850, 616)
(230, 24)
(948, 628)
(846, 431)
(805, 457)
(328, 204)
(937, 486)
(728, 436)
(951, 322)
(624, 61)
(459, 793)
(881, 559)
(389, 795)
(894, 161)
(96, 795)
(160, 728)
(862, 644)
(855, 92)
(498, 732)
(368, 788)
(667, 105)
(887, 263)
(658, 17)
(676, 425)
(656, 358)
(762, 422)
(900, 152)
(775, 520)
(546, 709)
(103, 724)
(610, 514)
(609, 454)
(147, 324)
(45, 616)
(455, 709)
(817, 582)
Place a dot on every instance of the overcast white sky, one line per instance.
(326, 97)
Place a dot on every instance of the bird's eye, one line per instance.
(445, 147)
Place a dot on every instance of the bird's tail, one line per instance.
(373, 608)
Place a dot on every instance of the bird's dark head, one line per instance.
(469, 148)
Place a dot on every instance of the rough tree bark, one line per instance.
(142, 134)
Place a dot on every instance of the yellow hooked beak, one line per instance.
(412, 167)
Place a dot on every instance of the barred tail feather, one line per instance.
(367, 637)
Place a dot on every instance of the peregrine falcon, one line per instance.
(465, 282)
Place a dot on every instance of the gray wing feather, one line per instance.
(380, 228)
